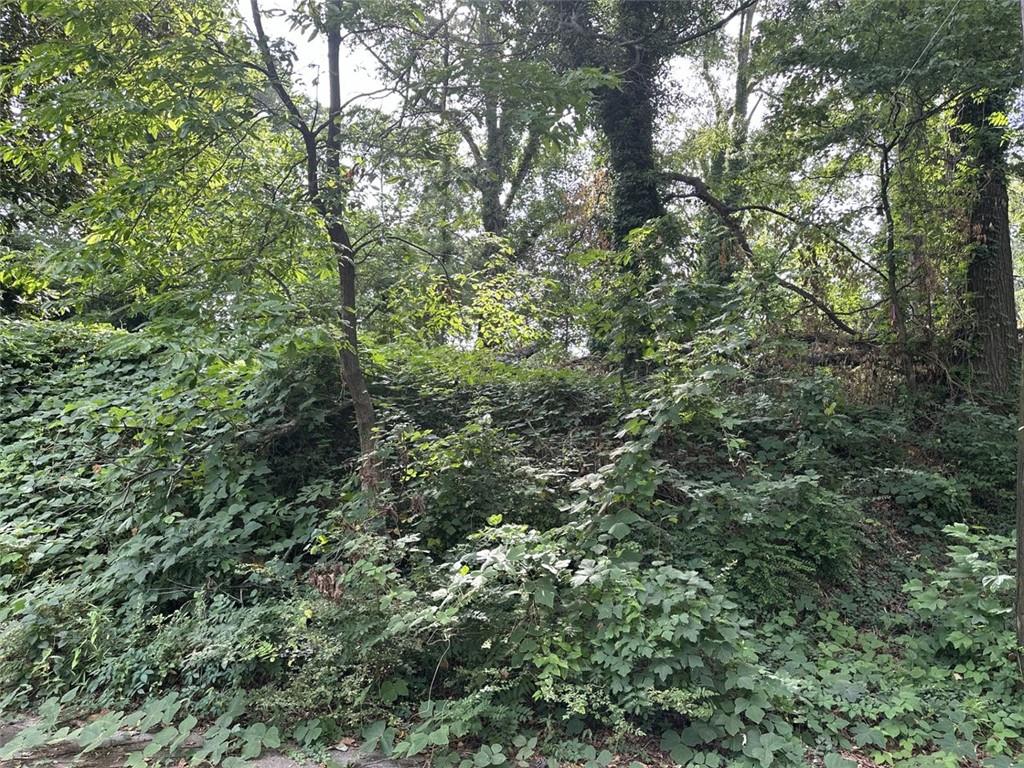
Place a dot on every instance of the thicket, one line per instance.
(718, 567)
(618, 384)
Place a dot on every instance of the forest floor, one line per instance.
(114, 752)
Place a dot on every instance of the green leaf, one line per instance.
(544, 592)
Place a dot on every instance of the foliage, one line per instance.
(967, 605)
(647, 468)
(149, 463)
(564, 612)
(977, 447)
(933, 687)
(930, 498)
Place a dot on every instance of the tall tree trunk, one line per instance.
(1019, 606)
(722, 253)
(332, 206)
(737, 159)
(492, 174)
(897, 315)
(445, 245)
(627, 115)
(990, 266)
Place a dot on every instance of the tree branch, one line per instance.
(711, 29)
(726, 215)
(523, 169)
(273, 76)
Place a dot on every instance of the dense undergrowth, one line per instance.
(714, 566)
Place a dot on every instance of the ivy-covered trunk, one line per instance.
(491, 174)
(627, 117)
(993, 327)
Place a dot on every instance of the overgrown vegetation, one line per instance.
(179, 520)
(681, 440)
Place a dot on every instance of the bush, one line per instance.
(938, 686)
(528, 626)
(777, 537)
(978, 447)
(137, 482)
(185, 517)
(929, 499)
(686, 482)
(967, 605)
(450, 486)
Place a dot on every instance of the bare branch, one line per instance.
(726, 215)
(273, 76)
(523, 169)
(711, 29)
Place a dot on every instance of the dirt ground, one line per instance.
(114, 752)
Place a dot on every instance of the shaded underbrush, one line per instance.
(708, 566)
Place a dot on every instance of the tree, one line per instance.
(196, 207)
(1019, 602)
(876, 86)
(993, 322)
(479, 83)
(732, 124)
(625, 111)
(26, 197)
(633, 41)
(325, 188)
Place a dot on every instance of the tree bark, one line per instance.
(737, 159)
(491, 176)
(993, 328)
(627, 115)
(330, 204)
(1019, 606)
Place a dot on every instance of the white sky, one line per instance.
(357, 68)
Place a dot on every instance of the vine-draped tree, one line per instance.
(990, 279)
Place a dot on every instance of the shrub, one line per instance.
(938, 686)
(685, 482)
(978, 447)
(451, 485)
(929, 499)
(528, 620)
(967, 605)
(136, 483)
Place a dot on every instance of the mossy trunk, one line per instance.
(993, 326)
(627, 116)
